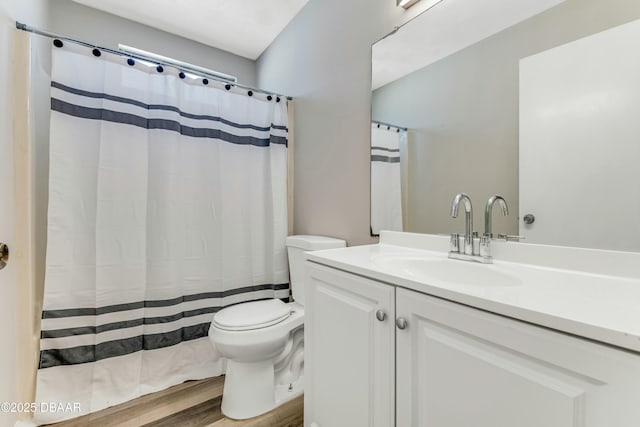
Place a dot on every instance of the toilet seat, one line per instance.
(252, 315)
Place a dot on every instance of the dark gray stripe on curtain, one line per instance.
(87, 330)
(385, 159)
(163, 124)
(98, 95)
(391, 150)
(72, 312)
(93, 353)
(279, 140)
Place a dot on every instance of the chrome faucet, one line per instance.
(468, 220)
(488, 232)
(474, 248)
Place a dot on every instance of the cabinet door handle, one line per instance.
(401, 323)
(381, 315)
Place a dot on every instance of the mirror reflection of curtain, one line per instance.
(386, 188)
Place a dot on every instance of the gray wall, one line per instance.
(323, 59)
(463, 112)
(77, 21)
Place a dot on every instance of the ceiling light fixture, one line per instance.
(408, 3)
(176, 63)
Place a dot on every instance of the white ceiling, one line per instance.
(446, 28)
(242, 27)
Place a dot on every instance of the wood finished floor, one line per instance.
(191, 404)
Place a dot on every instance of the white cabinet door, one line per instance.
(349, 352)
(461, 367)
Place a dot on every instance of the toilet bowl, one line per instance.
(263, 343)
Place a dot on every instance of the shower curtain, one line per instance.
(386, 189)
(167, 201)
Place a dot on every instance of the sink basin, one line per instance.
(449, 271)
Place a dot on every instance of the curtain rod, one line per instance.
(375, 122)
(177, 64)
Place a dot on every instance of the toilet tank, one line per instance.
(296, 247)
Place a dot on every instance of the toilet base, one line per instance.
(249, 390)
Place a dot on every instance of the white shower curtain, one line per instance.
(386, 189)
(167, 201)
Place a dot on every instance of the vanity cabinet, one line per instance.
(458, 367)
(451, 365)
(349, 352)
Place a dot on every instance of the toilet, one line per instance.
(263, 341)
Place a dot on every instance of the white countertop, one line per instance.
(596, 295)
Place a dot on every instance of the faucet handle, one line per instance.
(476, 243)
(485, 246)
(454, 243)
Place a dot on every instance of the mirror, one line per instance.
(500, 97)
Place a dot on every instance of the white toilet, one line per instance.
(263, 341)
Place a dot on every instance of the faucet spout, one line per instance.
(488, 227)
(468, 219)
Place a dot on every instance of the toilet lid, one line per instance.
(252, 315)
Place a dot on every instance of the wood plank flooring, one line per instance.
(288, 415)
(191, 404)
